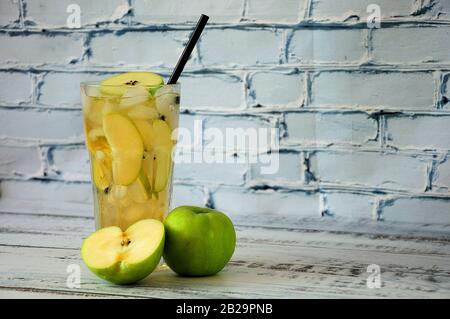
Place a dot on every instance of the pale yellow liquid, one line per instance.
(123, 205)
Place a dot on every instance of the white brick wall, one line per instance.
(363, 113)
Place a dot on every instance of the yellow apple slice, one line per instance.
(139, 190)
(145, 129)
(126, 147)
(124, 257)
(118, 84)
(101, 174)
(142, 112)
(162, 159)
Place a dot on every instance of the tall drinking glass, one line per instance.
(130, 143)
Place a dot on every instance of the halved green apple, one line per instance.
(117, 85)
(124, 257)
(126, 147)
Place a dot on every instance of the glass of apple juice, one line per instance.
(129, 121)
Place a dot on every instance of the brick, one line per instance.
(325, 128)
(46, 197)
(278, 89)
(70, 163)
(245, 127)
(344, 10)
(212, 91)
(41, 48)
(327, 46)
(370, 169)
(15, 88)
(383, 90)
(63, 89)
(419, 132)
(240, 47)
(41, 125)
(9, 13)
(289, 11)
(53, 13)
(224, 171)
(173, 11)
(411, 45)
(138, 48)
(19, 161)
(290, 169)
(446, 91)
(266, 206)
(187, 195)
(418, 210)
(351, 206)
(441, 180)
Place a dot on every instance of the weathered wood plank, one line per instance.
(257, 270)
(269, 262)
(68, 232)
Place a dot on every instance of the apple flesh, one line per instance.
(199, 241)
(124, 257)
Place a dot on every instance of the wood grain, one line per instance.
(270, 262)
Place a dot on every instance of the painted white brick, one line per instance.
(15, 88)
(41, 125)
(211, 91)
(370, 169)
(352, 206)
(290, 169)
(385, 90)
(70, 163)
(187, 195)
(9, 12)
(225, 172)
(138, 48)
(329, 46)
(248, 124)
(272, 88)
(53, 13)
(446, 90)
(419, 132)
(19, 161)
(174, 11)
(240, 47)
(63, 89)
(287, 11)
(344, 10)
(41, 48)
(441, 181)
(418, 210)
(325, 128)
(266, 206)
(411, 45)
(46, 197)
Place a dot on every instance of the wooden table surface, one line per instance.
(314, 259)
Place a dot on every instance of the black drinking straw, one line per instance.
(188, 49)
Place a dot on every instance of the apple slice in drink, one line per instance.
(140, 190)
(126, 146)
(158, 144)
(124, 257)
(117, 85)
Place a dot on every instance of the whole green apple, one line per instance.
(199, 241)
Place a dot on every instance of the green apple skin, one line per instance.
(123, 273)
(199, 241)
